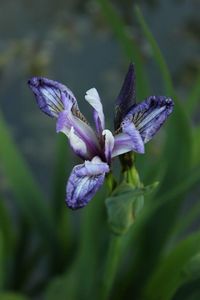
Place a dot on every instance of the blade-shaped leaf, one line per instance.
(30, 199)
(168, 276)
(192, 102)
(12, 296)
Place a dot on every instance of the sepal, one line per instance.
(124, 205)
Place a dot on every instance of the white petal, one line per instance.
(109, 143)
(92, 97)
(77, 144)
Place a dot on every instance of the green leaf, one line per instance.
(124, 205)
(196, 146)
(88, 257)
(61, 170)
(30, 199)
(61, 288)
(152, 231)
(2, 266)
(6, 227)
(178, 122)
(156, 52)
(62, 215)
(169, 274)
(12, 296)
(192, 268)
(192, 102)
(188, 291)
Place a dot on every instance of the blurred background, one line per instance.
(46, 250)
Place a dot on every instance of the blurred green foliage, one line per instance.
(47, 253)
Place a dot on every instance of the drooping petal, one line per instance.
(126, 96)
(128, 140)
(149, 115)
(67, 120)
(109, 144)
(93, 98)
(51, 95)
(122, 144)
(137, 142)
(78, 145)
(84, 181)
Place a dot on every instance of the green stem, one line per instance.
(130, 175)
(112, 260)
(113, 253)
(111, 182)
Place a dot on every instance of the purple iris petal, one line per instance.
(126, 96)
(122, 144)
(128, 140)
(149, 115)
(136, 140)
(50, 95)
(84, 181)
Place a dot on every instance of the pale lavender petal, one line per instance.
(51, 95)
(128, 140)
(122, 144)
(149, 115)
(93, 98)
(109, 144)
(78, 145)
(126, 96)
(84, 181)
(129, 128)
(67, 120)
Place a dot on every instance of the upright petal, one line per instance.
(93, 98)
(51, 95)
(149, 115)
(84, 181)
(126, 96)
(109, 144)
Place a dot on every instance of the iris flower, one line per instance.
(135, 125)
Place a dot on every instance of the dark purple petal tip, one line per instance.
(49, 95)
(126, 97)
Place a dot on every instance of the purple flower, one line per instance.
(135, 124)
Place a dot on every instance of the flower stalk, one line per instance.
(111, 265)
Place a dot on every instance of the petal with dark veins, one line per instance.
(51, 95)
(149, 115)
(84, 181)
